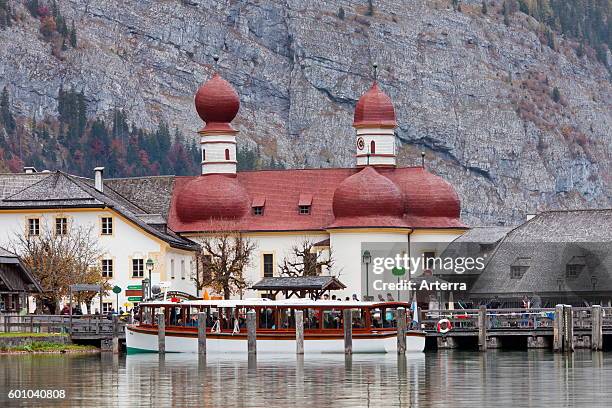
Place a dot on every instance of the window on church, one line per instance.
(227, 154)
(257, 210)
(203, 154)
(372, 147)
(268, 265)
(304, 209)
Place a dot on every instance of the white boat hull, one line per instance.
(137, 341)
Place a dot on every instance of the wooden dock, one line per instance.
(80, 328)
(563, 328)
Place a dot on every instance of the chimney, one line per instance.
(530, 216)
(29, 170)
(99, 184)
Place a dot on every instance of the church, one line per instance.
(345, 214)
(342, 211)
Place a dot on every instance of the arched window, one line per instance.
(226, 154)
(372, 147)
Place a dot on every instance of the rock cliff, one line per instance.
(514, 124)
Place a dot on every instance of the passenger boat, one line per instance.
(374, 326)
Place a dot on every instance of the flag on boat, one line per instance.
(415, 311)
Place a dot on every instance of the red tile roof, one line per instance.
(282, 190)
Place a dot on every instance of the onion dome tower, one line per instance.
(367, 199)
(375, 124)
(217, 103)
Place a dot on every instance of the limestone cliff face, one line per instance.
(474, 94)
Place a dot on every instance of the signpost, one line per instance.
(117, 291)
(150, 264)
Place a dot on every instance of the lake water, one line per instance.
(443, 379)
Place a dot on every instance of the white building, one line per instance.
(32, 203)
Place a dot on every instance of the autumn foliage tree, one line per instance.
(221, 262)
(59, 261)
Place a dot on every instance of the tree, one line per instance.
(73, 36)
(58, 261)
(506, 11)
(221, 262)
(303, 261)
(341, 13)
(556, 95)
(6, 117)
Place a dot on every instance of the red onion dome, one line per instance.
(434, 197)
(374, 109)
(213, 196)
(366, 194)
(217, 104)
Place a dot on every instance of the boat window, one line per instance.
(389, 317)
(376, 318)
(332, 319)
(287, 319)
(312, 317)
(267, 318)
(358, 318)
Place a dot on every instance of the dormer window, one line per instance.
(574, 267)
(258, 205)
(305, 204)
(519, 267)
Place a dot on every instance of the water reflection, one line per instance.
(443, 379)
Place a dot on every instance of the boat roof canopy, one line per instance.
(262, 302)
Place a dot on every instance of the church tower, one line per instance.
(375, 125)
(217, 103)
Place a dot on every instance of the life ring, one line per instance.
(448, 326)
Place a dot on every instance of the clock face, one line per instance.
(360, 143)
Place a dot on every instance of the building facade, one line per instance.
(54, 204)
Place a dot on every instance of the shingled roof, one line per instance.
(545, 246)
(61, 190)
(153, 194)
(299, 283)
(15, 275)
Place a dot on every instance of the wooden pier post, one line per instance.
(348, 331)
(115, 333)
(401, 330)
(596, 328)
(299, 332)
(482, 328)
(252, 332)
(568, 336)
(558, 328)
(161, 333)
(201, 333)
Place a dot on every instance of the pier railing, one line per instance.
(466, 320)
(81, 326)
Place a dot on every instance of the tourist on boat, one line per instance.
(355, 298)
(390, 298)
